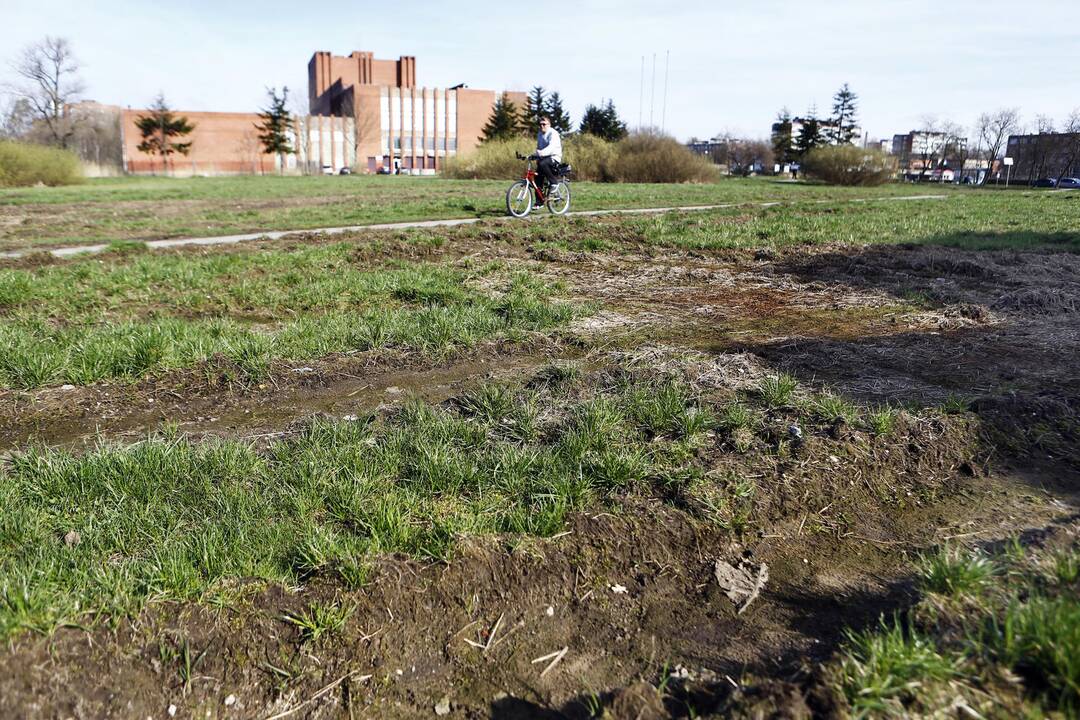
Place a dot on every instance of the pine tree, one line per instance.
(603, 122)
(845, 105)
(616, 128)
(810, 134)
(274, 128)
(503, 123)
(560, 119)
(158, 130)
(781, 137)
(535, 107)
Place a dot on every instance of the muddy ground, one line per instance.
(630, 595)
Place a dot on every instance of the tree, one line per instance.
(158, 130)
(16, 119)
(275, 126)
(560, 119)
(810, 134)
(1070, 151)
(845, 106)
(535, 107)
(993, 130)
(49, 81)
(781, 137)
(603, 122)
(503, 123)
(749, 156)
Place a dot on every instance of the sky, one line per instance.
(723, 66)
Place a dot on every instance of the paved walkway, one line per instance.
(278, 234)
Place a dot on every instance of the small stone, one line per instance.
(499, 696)
(67, 387)
(618, 589)
(443, 706)
(393, 390)
(350, 418)
(172, 711)
(550, 612)
(230, 700)
(72, 538)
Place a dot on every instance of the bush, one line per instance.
(22, 164)
(654, 158)
(641, 157)
(849, 165)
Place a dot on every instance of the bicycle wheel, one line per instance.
(558, 200)
(519, 199)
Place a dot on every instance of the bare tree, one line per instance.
(994, 129)
(49, 81)
(16, 118)
(1070, 150)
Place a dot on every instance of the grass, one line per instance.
(126, 317)
(107, 209)
(1023, 630)
(321, 619)
(169, 518)
(777, 391)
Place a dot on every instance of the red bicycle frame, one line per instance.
(530, 178)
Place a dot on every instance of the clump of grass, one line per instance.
(321, 619)
(882, 420)
(777, 391)
(954, 572)
(670, 409)
(833, 408)
(1064, 566)
(955, 405)
(735, 416)
(1040, 639)
(881, 671)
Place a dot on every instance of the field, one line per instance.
(818, 458)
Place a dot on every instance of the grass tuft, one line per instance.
(954, 572)
(777, 391)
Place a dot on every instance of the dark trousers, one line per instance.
(545, 168)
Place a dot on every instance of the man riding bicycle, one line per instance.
(548, 152)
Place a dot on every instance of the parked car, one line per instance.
(1045, 182)
(328, 170)
(345, 171)
(1071, 183)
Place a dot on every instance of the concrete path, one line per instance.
(278, 234)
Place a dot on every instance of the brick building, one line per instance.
(365, 114)
(398, 124)
(1042, 155)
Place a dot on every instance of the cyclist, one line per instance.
(548, 152)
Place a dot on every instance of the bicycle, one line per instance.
(521, 195)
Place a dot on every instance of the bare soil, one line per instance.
(629, 593)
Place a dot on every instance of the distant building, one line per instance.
(366, 114)
(929, 154)
(1044, 155)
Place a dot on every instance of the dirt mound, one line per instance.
(1039, 301)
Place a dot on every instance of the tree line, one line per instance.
(507, 121)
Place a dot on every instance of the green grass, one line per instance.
(777, 391)
(321, 619)
(169, 518)
(149, 207)
(1022, 628)
(955, 573)
(129, 316)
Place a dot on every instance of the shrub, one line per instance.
(849, 165)
(23, 164)
(654, 158)
(642, 157)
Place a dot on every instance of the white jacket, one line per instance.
(549, 144)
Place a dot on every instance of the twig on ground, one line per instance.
(555, 657)
(319, 694)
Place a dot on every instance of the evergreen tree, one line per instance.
(845, 105)
(560, 119)
(503, 123)
(781, 137)
(158, 130)
(603, 122)
(274, 128)
(535, 106)
(810, 134)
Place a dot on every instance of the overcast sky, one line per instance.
(732, 66)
